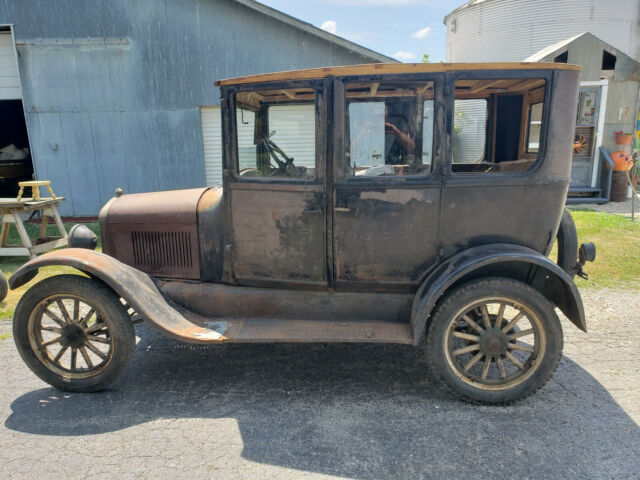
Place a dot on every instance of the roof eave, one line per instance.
(313, 30)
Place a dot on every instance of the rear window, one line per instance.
(497, 125)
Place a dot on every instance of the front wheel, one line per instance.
(494, 340)
(73, 333)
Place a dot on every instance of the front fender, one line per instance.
(135, 287)
(498, 260)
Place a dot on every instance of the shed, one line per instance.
(609, 86)
(121, 94)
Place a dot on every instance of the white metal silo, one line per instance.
(511, 30)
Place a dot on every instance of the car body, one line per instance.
(356, 203)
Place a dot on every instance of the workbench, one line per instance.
(12, 208)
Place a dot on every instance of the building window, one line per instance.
(562, 58)
(608, 61)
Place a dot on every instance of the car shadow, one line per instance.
(358, 411)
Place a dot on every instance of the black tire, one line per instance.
(4, 286)
(450, 366)
(109, 327)
(567, 244)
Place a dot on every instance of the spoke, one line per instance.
(522, 333)
(51, 329)
(517, 346)
(60, 353)
(513, 322)
(500, 367)
(88, 316)
(472, 324)
(64, 312)
(500, 315)
(53, 317)
(93, 338)
(485, 367)
(470, 348)
(91, 347)
(51, 342)
(76, 310)
(473, 361)
(485, 316)
(466, 336)
(96, 327)
(514, 360)
(85, 355)
(74, 354)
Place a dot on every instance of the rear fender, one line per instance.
(498, 260)
(135, 287)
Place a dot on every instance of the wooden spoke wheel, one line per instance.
(495, 340)
(73, 332)
(70, 336)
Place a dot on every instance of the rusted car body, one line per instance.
(394, 209)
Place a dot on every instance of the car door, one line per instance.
(274, 178)
(387, 184)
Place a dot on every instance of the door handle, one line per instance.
(342, 209)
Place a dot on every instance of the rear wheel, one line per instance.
(73, 333)
(494, 341)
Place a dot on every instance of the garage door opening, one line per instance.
(15, 155)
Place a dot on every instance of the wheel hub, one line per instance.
(493, 342)
(72, 336)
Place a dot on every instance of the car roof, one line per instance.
(390, 68)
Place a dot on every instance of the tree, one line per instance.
(425, 58)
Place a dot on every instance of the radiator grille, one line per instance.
(161, 250)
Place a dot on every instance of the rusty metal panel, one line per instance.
(156, 232)
(278, 233)
(386, 235)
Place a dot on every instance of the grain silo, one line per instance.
(512, 30)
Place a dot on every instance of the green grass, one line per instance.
(617, 241)
(4, 336)
(8, 265)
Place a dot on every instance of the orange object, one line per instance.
(624, 139)
(621, 161)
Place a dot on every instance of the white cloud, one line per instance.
(404, 56)
(422, 33)
(330, 26)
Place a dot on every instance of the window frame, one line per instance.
(231, 157)
(340, 159)
(453, 77)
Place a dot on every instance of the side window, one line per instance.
(497, 125)
(276, 134)
(389, 129)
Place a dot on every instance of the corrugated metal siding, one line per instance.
(511, 30)
(9, 79)
(113, 90)
(295, 135)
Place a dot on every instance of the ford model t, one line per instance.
(385, 203)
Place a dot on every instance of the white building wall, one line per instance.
(511, 30)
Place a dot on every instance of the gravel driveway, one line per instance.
(325, 411)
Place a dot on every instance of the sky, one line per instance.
(402, 29)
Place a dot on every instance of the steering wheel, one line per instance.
(274, 150)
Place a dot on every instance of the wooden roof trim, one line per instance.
(390, 68)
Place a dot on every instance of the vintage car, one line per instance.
(385, 203)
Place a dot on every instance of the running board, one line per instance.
(233, 330)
